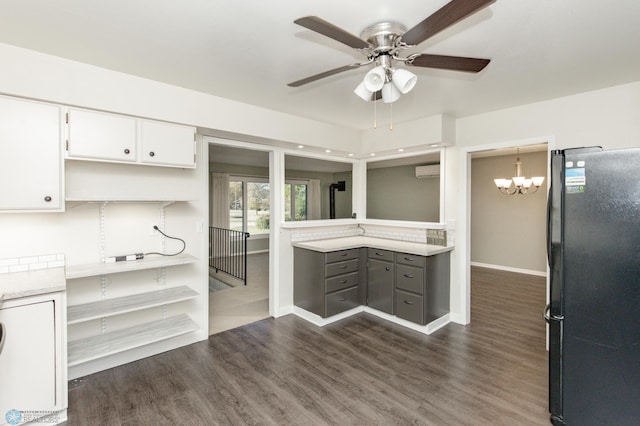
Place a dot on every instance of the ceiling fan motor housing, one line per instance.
(383, 36)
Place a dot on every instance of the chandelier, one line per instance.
(521, 184)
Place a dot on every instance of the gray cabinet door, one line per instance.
(380, 285)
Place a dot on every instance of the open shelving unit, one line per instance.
(95, 347)
(149, 262)
(99, 333)
(122, 305)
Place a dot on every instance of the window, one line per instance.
(295, 201)
(249, 205)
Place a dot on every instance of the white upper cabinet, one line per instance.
(30, 156)
(101, 136)
(167, 143)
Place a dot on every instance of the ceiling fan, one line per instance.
(382, 43)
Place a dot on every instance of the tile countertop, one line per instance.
(31, 283)
(336, 244)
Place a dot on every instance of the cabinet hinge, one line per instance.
(66, 119)
(194, 136)
(66, 145)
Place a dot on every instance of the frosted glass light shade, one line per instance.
(502, 183)
(527, 183)
(404, 80)
(363, 92)
(537, 180)
(374, 79)
(518, 180)
(390, 93)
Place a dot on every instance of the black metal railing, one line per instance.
(228, 252)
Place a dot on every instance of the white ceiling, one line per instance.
(248, 50)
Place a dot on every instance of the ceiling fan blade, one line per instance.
(325, 28)
(455, 63)
(443, 18)
(323, 75)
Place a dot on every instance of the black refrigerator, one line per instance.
(593, 245)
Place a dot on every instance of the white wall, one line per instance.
(608, 117)
(35, 75)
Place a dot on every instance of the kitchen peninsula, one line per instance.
(401, 281)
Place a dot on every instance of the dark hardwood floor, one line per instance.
(362, 371)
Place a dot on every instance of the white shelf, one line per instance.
(95, 347)
(122, 305)
(149, 262)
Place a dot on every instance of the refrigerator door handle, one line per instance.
(548, 317)
(549, 224)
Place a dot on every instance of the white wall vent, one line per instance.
(428, 171)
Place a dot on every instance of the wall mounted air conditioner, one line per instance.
(428, 171)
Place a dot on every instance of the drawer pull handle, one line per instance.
(387, 268)
(344, 254)
(409, 303)
(343, 266)
(343, 281)
(379, 254)
(408, 276)
(409, 259)
(343, 299)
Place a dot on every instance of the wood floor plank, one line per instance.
(361, 370)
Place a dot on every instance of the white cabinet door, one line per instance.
(101, 136)
(27, 359)
(30, 157)
(167, 143)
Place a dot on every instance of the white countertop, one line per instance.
(336, 244)
(31, 283)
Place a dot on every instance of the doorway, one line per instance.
(507, 233)
(239, 214)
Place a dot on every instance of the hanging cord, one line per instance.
(375, 112)
(184, 245)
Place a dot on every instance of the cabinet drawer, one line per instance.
(410, 278)
(341, 268)
(410, 307)
(341, 282)
(341, 301)
(339, 256)
(410, 259)
(373, 253)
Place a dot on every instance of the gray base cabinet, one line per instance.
(414, 288)
(422, 287)
(380, 276)
(326, 283)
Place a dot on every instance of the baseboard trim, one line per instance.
(321, 322)
(258, 251)
(509, 269)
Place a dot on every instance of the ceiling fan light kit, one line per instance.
(382, 43)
